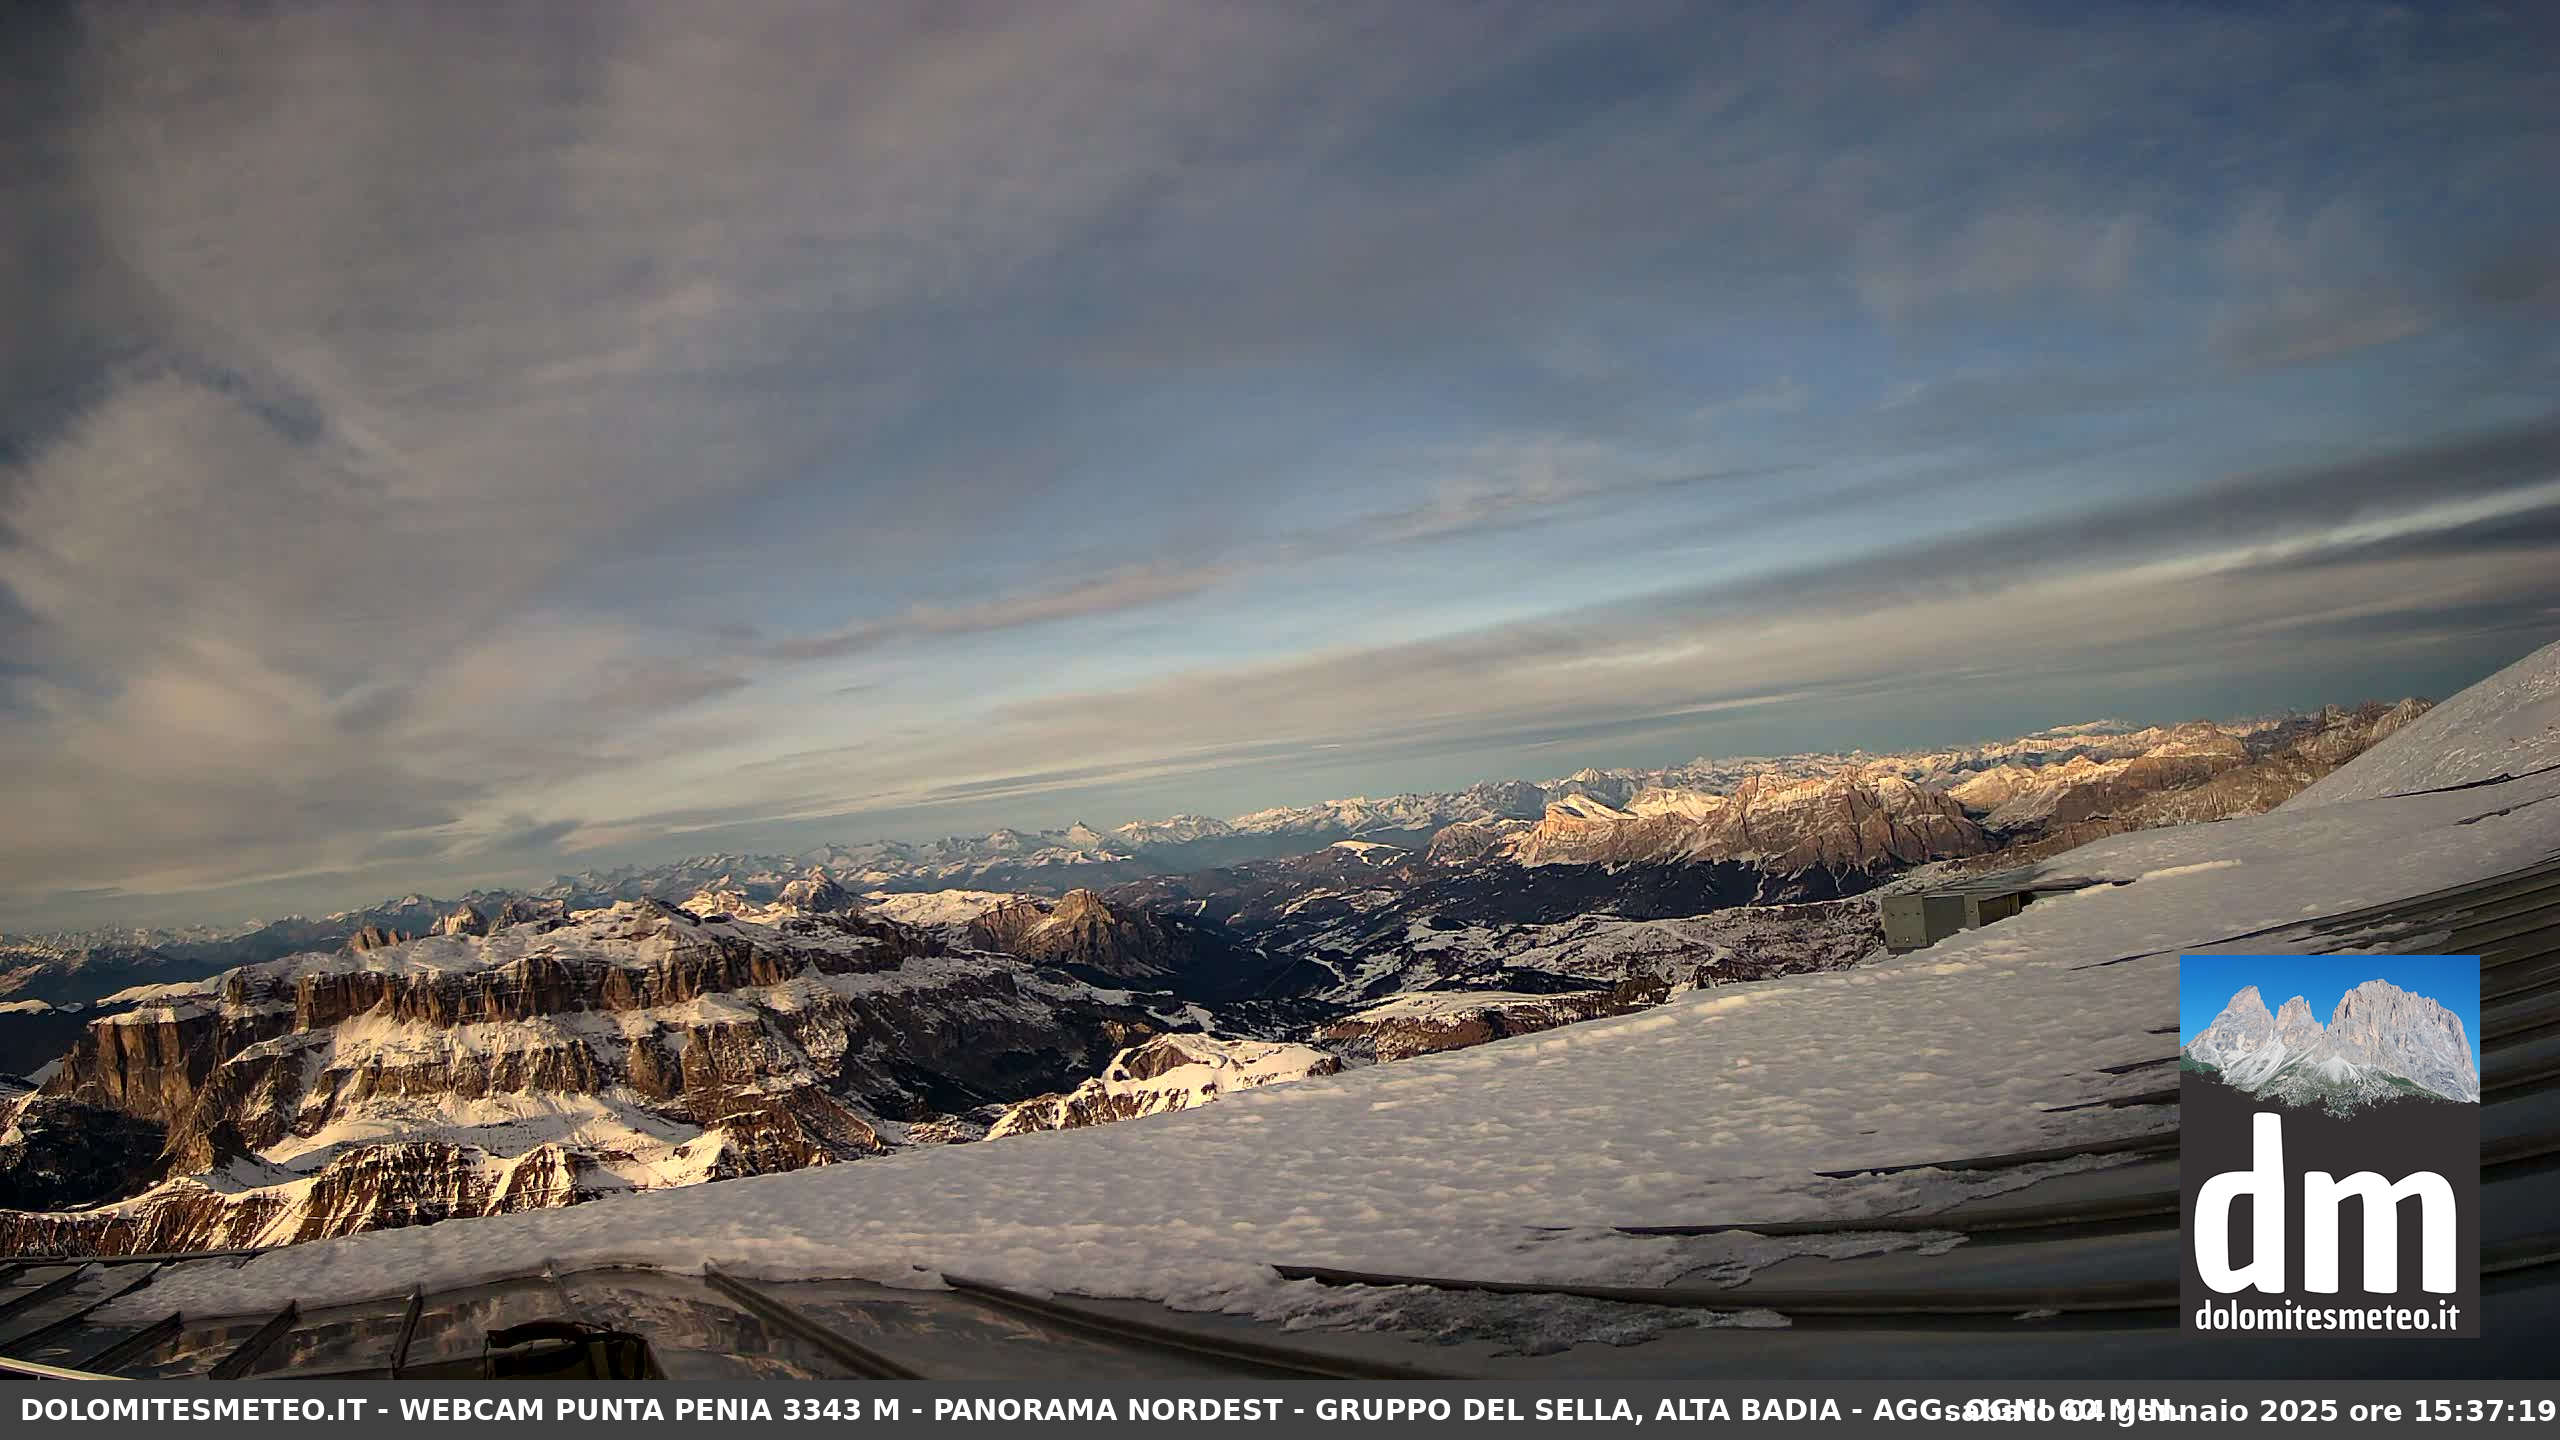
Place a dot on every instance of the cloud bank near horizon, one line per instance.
(449, 443)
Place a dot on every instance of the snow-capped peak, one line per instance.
(2381, 1043)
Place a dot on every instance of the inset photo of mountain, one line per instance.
(2330, 1170)
(2399, 1028)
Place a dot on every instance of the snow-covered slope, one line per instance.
(1425, 1022)
(1739, 942)
(936, 909)
(1514, 1160)
(2508, 724)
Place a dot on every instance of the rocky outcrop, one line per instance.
(2243, 1028)
(523, 910)
(2083, 799)
(2377, 1023)
(2382, 1044)
(2337, 735)
(1430, 1021)
(1083, 929)
(536, 1065)
(2295, 1025)
(1169, 1072)
(1118, 944)
(812, 892)
(56, 1153)
(1466, 843)
(1986, 791)
(375, 937)
(817, 893)
(2184, 775)
(1843, 823)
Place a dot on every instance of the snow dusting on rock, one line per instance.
(1513, 1160)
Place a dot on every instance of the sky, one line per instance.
(448, 444)
(2206, 983)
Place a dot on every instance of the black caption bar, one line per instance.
(385, 1411)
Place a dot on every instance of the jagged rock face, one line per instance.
(1465, 843)
(2243, 1027)
(1427, 1022)
(772, 1046)
(466, 920)
(1111, 944)
(521, 910)
(2180, 758)
(813, 892)
(2378, 1023)
(1085, 930)
(1841, 823)
(1169, 1072)
(1585, 830)
(2295, 1025)
(56, 1153)
(2382, 1043)
(2339, 735)
(817, 893)
(376, 1187)
(375, 937)
(2185, 774)
(1987, 790)
(150, 1064)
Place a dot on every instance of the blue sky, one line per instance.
(447, 444)
(2206, 983)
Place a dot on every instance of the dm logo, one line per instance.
(2329, 1143)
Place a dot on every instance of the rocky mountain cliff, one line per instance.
(1169, 1072)
(2381, 1025)
(1089, 936)
(2182, 774)
(2244, 1028)
(632, 1047)
(1841, 824)
(1426, 1022)
(2382, 1043)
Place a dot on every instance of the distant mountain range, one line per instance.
(735, 1014)
(2381, 1044)
(1673, 841)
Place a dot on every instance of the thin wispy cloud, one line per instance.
(1128, 587)
(447, 443)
